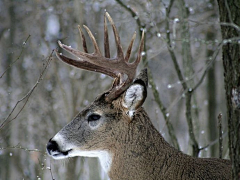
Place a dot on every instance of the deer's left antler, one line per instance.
(118, 67)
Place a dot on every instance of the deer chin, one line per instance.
(58, 148)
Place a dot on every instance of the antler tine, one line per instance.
(140, 49)
(85, 65)
(106, 39)
(97, 50)
(74, 52)
(84, 44)
(120, 53)
(129, 50)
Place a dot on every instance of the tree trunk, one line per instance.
(211, 96)
(6, 161)
(230, 12)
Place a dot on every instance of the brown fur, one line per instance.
(142, 153)
(137, 149)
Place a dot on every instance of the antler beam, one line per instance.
(118, 67)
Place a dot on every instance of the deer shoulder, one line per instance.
(116, 129)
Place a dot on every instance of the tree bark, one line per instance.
(7, 160)
(229, 11)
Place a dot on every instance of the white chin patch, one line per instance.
(105, 157)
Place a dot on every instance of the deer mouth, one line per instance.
(60, 154)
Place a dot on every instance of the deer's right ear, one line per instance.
(135, 95)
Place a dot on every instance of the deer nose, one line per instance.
(52, 146)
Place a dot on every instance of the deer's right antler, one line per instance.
(118, 67)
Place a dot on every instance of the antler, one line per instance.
(118, 67)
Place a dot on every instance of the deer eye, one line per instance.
(93, 117)
(93, 120)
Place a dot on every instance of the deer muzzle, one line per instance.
(54, 150)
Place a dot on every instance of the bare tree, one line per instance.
(229, 15)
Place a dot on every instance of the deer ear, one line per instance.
(135, 95)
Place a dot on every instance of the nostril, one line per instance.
(52, 146)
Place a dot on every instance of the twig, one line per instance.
(141, 26)
(220, 135)
(213, 142)
(172, 54)
(190, 123)
(215, 54)
(44, 167)
(134, 15)
(209, 65)
(26, 97)
(22, 148)
(228, 11)
(50, 169)
(217, 23)
(10, 65)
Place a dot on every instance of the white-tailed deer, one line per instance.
(116, 129)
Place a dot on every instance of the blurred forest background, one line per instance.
(39, 94)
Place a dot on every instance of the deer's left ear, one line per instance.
(135, 95)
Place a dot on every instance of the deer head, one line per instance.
(95, 131)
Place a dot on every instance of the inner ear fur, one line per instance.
(135, 95)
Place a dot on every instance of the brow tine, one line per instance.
(117, 38)
(84, 44)
(106, 39)
(129, 50)
(140, 49)
(97, 51)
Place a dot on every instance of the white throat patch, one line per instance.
(104, 157)
(105, 160)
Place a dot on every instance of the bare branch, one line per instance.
(216, 23)
(213, 142)
(22, 50)
(50, 169)
(22, 148)
(213, 59)
(26, 97)
(134, 15)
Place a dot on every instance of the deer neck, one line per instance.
(140, 150)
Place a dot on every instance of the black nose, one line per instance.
(52, 146)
